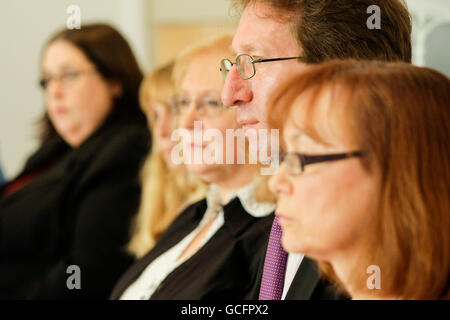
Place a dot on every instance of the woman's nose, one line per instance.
(160, 129)
(279, 183)
(188, 117)
(55, 89)
(164, 126)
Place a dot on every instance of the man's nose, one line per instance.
(236, 91)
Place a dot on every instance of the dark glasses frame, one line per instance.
(305, 159)
(226, 62)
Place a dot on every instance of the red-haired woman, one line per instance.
(365, 182)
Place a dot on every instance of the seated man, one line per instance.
(290, 36)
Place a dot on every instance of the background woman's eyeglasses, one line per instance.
(66, 77)
(295, 162)
(206, 106)
(246, 65)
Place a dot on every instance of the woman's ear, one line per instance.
(116, 88)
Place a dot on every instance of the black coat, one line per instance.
(76, 213)
(224, 268)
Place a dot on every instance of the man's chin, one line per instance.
(258, 142)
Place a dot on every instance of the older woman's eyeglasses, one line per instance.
(295, 163)
(246, 65)
(205, 106)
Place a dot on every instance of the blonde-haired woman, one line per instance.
(214, 248)
(166, 188)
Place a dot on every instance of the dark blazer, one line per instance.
(76, 213)
(306, 285)
(224, 268)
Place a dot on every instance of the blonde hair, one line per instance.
(220, 44)
(164, 191)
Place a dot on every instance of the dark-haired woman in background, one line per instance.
(73, 202)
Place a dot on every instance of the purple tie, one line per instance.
(274, 266)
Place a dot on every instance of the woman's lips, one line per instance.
(60, 110)
(199, 146)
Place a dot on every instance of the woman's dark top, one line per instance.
(224, 268)
(75, 213)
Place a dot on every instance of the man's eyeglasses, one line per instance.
(246, 65)
(295, 162)
(206, 106)
(65, 77)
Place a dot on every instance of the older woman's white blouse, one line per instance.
(155, 273)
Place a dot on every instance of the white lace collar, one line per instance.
(247, 197)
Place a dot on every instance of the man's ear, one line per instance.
(116, 88)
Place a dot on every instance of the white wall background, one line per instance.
(431, 33)
(24, 28)
(26, 25)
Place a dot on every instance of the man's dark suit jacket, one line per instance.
(225, 268)
(77, 212)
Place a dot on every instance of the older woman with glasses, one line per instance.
(213, 248)
(166, 187)
(364, 184)
(65, 219)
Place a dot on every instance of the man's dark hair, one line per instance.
(337, 29)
